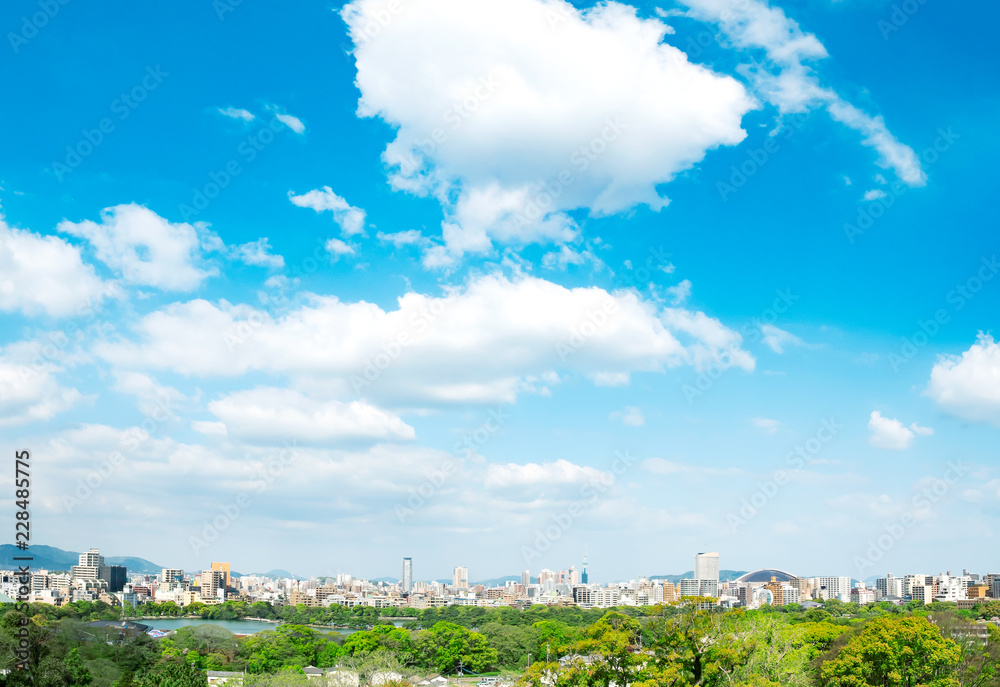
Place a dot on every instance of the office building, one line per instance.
(706, 566)
(407, 575)
(223, 568)
(460, 578)
(212, 584)
(526, 578)
(89, 567)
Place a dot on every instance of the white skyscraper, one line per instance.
(706, 566)
(407, 575)
(460, 578)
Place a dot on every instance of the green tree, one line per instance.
(894, 652)
(446, 646)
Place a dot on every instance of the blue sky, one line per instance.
(215, 217)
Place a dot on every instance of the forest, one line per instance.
(839, 645)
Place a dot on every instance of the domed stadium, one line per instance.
(766, 575)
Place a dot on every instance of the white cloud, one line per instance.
(145, 248)
(336, 247)
(891, 434)
(594, 96)
(237, 113)
(44, 274)
(874, 194)
(559, 473)
(257, 253)
(679, 293)
(270, 414)
(969, 385)
(661, 466)
(778, 339)
(155, 399)
(766, 425)
(31, 393)
(410, 237)
(630, 416)
(485, 342)
(350, 219)
(292, 122)
(786, 78)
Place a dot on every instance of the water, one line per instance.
(240, 627)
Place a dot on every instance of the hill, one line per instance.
(52, 558)
(724, 575)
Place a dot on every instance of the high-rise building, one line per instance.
(706, 566)
(460, 578)
(584, 577)
(407, 575)
(525, 577)
(168, 575)
(115, 575)
(211, 584)
(835, 588)
(89, 567)
(223, 568)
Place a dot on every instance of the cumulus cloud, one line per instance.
(969, 385)
(45, 275)
(144, 248)
(514, 112)
(891, 434)
(30, 393)
(787, 80)
(630, 416)
(778, 339)
(271, 414)
(350, 219)
(487, 341)
(257, 253)
(336, 248)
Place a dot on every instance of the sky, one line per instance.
(492, 283)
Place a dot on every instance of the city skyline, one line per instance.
(495, 283)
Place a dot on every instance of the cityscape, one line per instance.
(499, 343)
(92, 580)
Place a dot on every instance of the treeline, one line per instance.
(362, 617)
(839, 645)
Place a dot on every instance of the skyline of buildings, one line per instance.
(216, 584)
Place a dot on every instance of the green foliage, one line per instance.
(446, 647)
(895, 652)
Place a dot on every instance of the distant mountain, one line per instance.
(276, 573)
(387, 580)
(500, 581)
(51, 558)
(724, 575)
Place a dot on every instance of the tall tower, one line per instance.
(706, 566)
(526, 577)
(583, 575)
(407, 575)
